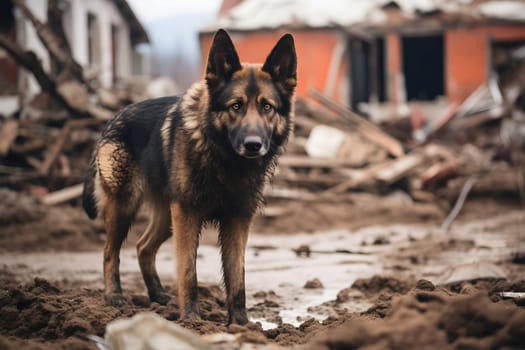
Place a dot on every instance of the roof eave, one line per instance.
(137, 32)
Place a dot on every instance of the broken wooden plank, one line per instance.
(274, 211)
(358, 179)
(75, 93)
(499, 181)
(8, 135)
(430, 129)
(99, 112)
(438, 172)
(56, 148)
(399, 168)
(309, 180)
(368, 129)
(309, 162)
(63, 195)
(422, 196)
(287, 193)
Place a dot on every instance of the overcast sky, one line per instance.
(151, 10)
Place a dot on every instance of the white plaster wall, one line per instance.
(76, 32)
(29, 39)
(125, 59)
(107, 15)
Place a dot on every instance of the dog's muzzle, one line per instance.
(253, 147)
(253, 144)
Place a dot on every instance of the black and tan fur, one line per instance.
(201, 157)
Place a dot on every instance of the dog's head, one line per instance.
(252, 104)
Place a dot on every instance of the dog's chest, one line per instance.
(220, 193)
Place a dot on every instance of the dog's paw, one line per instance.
(161, 298)
(115, 299)
(190, 316)
(239, 318)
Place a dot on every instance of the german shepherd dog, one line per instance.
(202, 157)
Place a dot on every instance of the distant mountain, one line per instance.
(175, 50)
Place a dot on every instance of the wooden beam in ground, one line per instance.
(399, 168)
(56, 148)
(8, 135)
(63, 195)
(309, 162)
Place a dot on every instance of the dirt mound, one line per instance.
(45, 315)
(429, 317)
(356, 211)
(49, 312)
(28, 225)
(378, 284)
(58, 315)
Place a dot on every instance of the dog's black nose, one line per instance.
(253, 144)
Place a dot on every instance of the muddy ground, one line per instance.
(369, 273)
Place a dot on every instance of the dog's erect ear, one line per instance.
(282, 63)
(223, 60)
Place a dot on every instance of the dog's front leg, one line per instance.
(186, 229)
(233, 236)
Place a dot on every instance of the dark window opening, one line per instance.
(93, 40)
(8, 66)
(59, 14)
(423, 67)
(359, 71)
(381, 73)
(505, 55)
(114, 53)
(367, 70)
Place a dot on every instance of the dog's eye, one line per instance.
(235, 107)
(267, 107)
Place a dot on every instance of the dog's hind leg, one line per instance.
(118, 191)
(157, 232)
(233, 235)
(117, 223)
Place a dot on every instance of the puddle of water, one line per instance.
(265, 324)
(299, 313)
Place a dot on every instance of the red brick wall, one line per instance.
(467, 52)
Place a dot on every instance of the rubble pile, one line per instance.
(474, 147)
(45, 146)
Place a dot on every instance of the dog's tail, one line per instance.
(88, 194)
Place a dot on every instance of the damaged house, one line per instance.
(392, 52)
(103, 36)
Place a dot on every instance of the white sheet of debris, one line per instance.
(151, 331)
